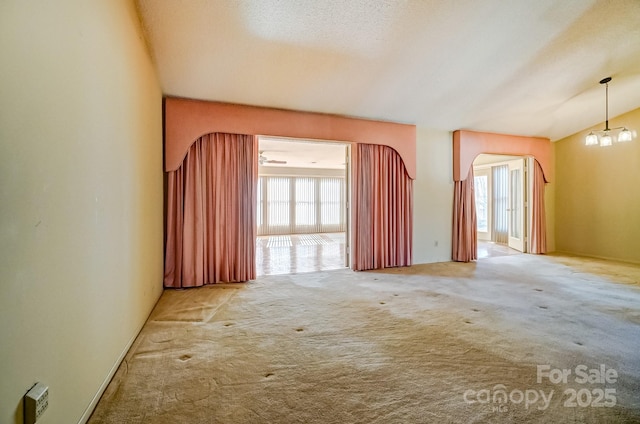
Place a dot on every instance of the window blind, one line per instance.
(300, 205)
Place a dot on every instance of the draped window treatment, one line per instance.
(383, 203)
(538, 220)
(211, 212)
(465, 235)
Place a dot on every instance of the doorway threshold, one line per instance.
(489, 249)
(297, 253)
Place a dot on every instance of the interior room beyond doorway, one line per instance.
(302, 219)
(501, 192)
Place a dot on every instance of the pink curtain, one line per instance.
(465, 231)
(211, 207)
(383, 203)
(538, 221)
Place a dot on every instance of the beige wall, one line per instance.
(433, 196)
(597, 195)
(81, 198)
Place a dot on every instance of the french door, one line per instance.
(516, 205)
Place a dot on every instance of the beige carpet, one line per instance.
(426, 344)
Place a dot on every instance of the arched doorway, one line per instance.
(501, 190)
(467, 146)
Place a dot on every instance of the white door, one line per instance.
(347, 205)
(516, 210)
(482, 191)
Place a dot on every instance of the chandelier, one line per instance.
(605, 137)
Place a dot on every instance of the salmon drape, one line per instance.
(538, 220)
(211, 207)
(383, 203)
(465, 232)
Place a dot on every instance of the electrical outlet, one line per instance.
(36, 402)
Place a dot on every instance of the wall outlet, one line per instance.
(36, 402)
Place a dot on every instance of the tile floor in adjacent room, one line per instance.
(292, 254)
(295, 253)
(489, 249)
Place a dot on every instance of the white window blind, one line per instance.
(480, 188)
(299, 205)
(500, 203)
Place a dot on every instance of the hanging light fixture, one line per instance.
(606, 138)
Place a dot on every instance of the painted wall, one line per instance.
(433, 197)
(81, 198)
(597, 195)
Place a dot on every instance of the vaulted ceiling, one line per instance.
(524, 67)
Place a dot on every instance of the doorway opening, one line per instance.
(302, 206)
(502, 190)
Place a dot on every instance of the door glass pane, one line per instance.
(516, 200)
(482, 197)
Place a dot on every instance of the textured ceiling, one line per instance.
(524, 67)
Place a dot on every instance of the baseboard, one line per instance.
(94, 402)
(585, 255)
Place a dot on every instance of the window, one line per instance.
(297, 205)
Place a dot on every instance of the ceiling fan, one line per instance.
(262, 159)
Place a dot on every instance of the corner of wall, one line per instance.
(433, 196)
(595, 211)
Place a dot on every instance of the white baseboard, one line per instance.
(607, 258)
(94, 402)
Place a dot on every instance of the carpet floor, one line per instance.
(520, 338)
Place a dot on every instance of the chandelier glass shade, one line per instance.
(608, 136)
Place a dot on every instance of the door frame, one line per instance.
(346, 204)
(527, 188)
